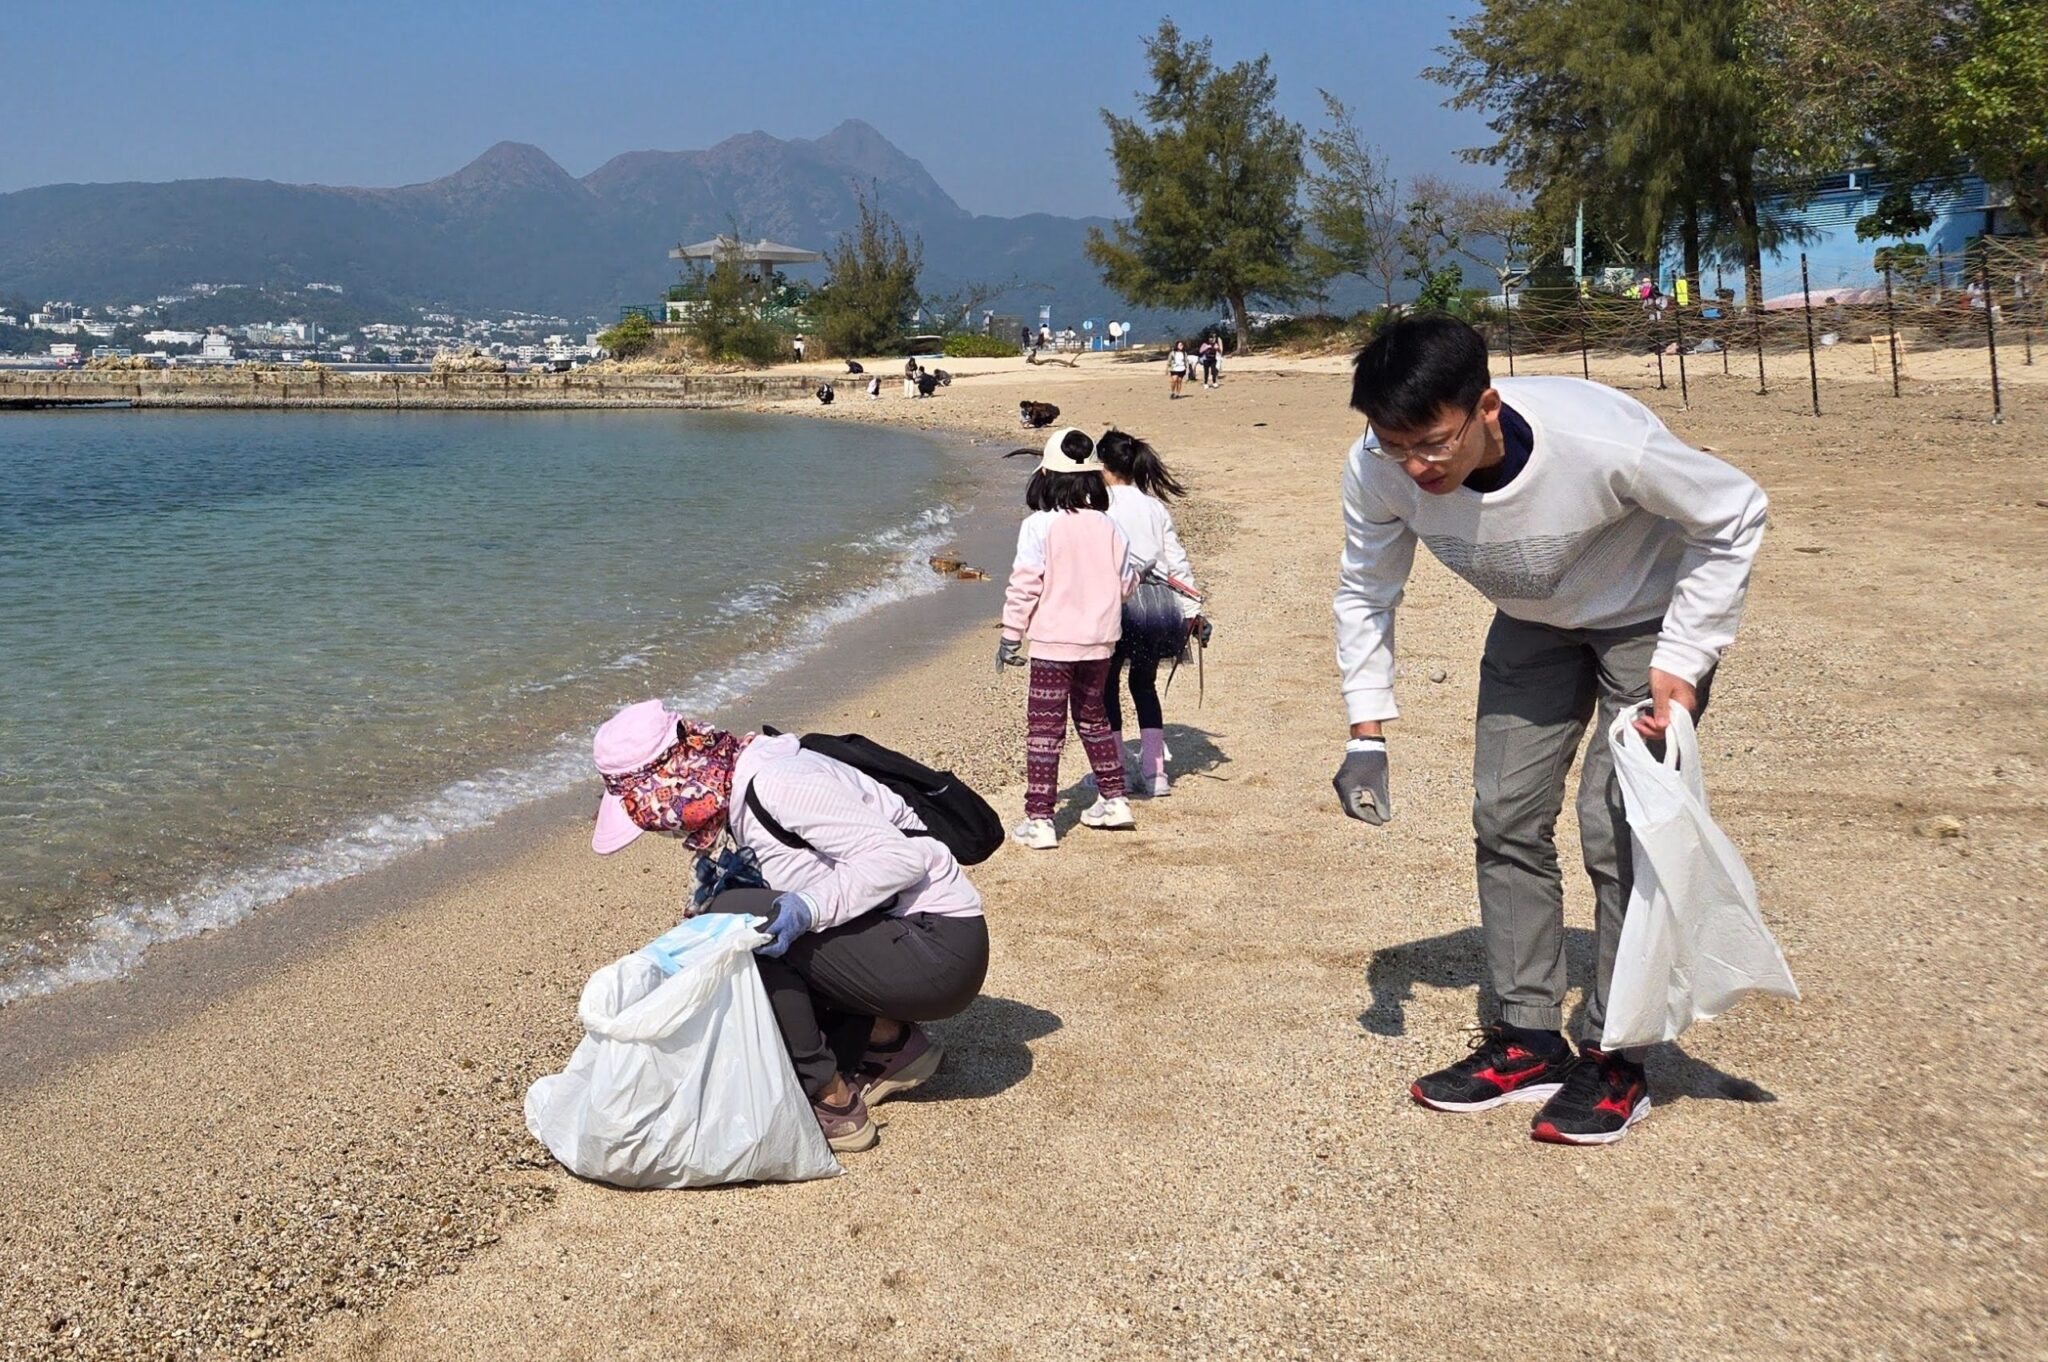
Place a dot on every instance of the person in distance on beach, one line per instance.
(1177, 368)
(872, 929)
(1617, 558)
(1066, 594)
(1157, 620)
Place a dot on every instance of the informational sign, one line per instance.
(1684, 290)
(1115, 329)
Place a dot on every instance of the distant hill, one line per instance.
(513, 230)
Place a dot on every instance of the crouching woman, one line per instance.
(872, 926)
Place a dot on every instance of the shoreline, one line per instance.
(1176, 1123)
(860, 646)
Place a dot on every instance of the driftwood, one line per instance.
(1031, 357)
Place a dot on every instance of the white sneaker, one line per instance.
(1161, 786)
(1036, 833)
(1112, 815)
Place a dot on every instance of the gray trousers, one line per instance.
(1538, 688)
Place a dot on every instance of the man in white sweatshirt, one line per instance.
(1617, 558)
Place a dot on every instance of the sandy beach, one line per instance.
(1177, 1123)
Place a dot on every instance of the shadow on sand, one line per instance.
(1195, 757)
(1458, 960)
(988, 1049)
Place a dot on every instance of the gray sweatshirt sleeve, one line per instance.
(1379, 550)
(1720, 511)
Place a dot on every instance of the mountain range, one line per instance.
(513, 230)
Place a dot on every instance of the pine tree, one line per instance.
(1211, 174)
(869, 295)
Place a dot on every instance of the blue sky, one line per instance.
(999, 101)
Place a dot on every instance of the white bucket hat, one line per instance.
(1062, 457)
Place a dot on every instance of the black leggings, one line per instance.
(1144, 690)
(830, 986)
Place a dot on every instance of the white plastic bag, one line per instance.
(1694, 941)
(681, 1079)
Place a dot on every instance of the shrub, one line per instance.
(967, 345)
(630, 337)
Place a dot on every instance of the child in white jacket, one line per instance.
(1066, 594)
(1157, 619)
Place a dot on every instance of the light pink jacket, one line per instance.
(1068, 585)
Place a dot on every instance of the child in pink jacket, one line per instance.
(1066, 595)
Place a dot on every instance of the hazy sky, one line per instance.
(999, 101)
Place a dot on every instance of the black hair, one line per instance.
(1049, 491)
(1416, 367)
(1138, 464)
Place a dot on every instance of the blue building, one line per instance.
(1838, 262)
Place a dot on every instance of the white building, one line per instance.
(173, 337)
(217, 348)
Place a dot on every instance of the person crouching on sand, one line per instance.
(1157, 620)
(1066, 594)
(871, 929)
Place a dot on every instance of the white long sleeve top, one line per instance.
(1148, 529)
(858, 857)
(1613, 521)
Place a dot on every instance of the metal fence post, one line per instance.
(1756, 317)
(1585, 364)
(1891, 327)
(1678, 321)
(1812, 365)
(1991, 334)
(1508, 298)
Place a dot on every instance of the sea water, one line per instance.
(243, 653)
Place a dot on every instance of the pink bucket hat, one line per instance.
(629, 743)
(663, 773)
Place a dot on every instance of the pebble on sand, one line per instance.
(1939, 829)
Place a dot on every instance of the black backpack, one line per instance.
(947, 806)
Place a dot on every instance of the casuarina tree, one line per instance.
(869, 295)
(1211, 173)
(1352, 206)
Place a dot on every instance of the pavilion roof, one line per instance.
(758, 252)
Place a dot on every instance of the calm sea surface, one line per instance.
(247, 652)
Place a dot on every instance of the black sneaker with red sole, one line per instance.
(1603, 1095)
(1500, 1069)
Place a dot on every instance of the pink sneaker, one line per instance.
(905, 1065)
(848, 1129)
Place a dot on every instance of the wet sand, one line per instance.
(1177, 1124)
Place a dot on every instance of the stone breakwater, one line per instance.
(277, 388)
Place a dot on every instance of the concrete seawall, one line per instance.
(272, 388)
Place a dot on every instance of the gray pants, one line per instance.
(831, 985)
(1538, 687)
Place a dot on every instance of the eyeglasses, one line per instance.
(1435, 452)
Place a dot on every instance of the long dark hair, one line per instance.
(1138, 464)
(1050, 491)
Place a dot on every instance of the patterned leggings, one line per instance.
(1054, 687)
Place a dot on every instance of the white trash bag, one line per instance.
(681, 1079)
(1693, 942)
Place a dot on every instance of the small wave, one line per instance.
(116, 941)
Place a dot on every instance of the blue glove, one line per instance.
(792, 919)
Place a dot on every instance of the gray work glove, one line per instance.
(1007, 654)
(1362, 781)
